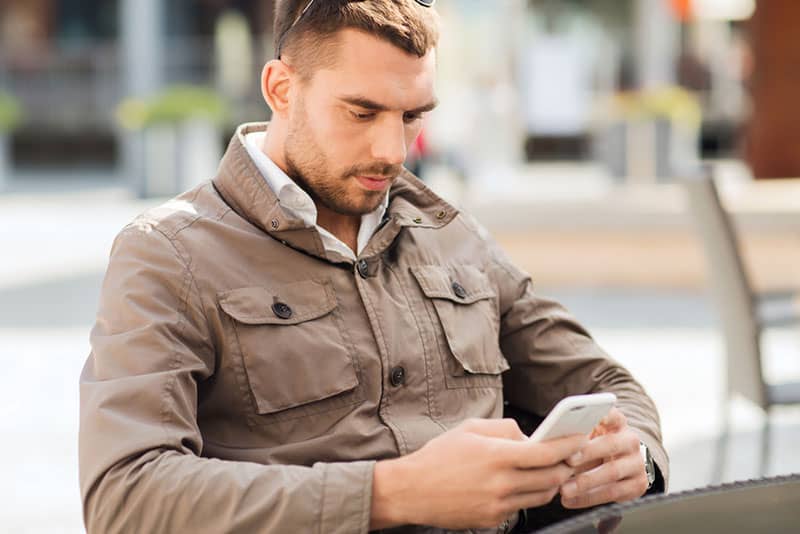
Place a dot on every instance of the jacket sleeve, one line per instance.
(139, 443)
(553, 356)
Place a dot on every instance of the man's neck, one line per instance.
(344, 227)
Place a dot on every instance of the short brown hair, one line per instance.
(403, 23)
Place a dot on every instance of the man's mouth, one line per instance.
(374, 182)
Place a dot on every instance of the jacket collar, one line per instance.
(239, 182)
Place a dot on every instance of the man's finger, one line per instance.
(582, 468)
(613, 471)
(607, 446)
(494, 428)
(625, 490)
(542, 479)
(614, 420)
(531, 454)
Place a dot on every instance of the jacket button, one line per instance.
(459, 291)
(397, 376)
(386, 218)
(282, 310)
(363, 268)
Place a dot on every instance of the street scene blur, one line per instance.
(640, 158)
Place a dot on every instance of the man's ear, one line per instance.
(275, 85)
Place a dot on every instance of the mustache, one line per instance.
(379, 169)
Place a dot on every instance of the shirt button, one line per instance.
(363, 268)
(459, 291)
(282, 310)
(397, 376)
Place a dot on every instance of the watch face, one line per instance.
(649, 466)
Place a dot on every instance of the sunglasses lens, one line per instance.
(426, 3)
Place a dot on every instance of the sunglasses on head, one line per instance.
(423, 3)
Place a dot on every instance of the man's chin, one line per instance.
(373, 201)
(369, 204)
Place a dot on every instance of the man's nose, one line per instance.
(389, 144)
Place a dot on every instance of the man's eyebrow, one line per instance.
(366, 103)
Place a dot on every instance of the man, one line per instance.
(315, 342)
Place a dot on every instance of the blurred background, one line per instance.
(567, 127)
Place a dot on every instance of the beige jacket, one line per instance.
(242, 379)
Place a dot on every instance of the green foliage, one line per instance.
(675, 104)
(10, 112)
(176, 104)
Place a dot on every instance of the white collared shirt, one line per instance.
(298, 204)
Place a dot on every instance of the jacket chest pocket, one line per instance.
(464, 304)
(295, 360)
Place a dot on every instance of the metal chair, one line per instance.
(744, 315)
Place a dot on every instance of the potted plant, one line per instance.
(10, 117)
(649, 135)
(180, 130)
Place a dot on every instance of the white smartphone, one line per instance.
(577, 414)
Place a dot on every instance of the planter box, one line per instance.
(159, 165)
(199, 152)
(178, 157)
(646, 151)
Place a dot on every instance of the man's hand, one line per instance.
(609, 468)
(474, 476)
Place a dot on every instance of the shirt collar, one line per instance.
(245, 191)
(295, 200)
(289, 194)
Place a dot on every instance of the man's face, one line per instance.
(350, 125)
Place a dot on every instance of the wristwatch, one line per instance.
(649, 466)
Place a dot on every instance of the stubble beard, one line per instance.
(310, 170)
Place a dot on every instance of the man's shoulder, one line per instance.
(180, 213)
(175, 225)
(470, 224)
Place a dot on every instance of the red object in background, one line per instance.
(682, 9)
(419, 149)
(420, 144)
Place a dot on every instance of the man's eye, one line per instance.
(411, 117)
(362, 116)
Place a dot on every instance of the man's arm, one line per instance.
(140, 446)
(477, 475)
(553, 356)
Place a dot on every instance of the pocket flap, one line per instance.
(291, 303)
(295, 359)
(440, 283)
(460, 296)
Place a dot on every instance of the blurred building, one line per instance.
(71, 62)
(60, 59)
(532, 73)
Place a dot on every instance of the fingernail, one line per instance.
(575, 459)
(569, 488)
